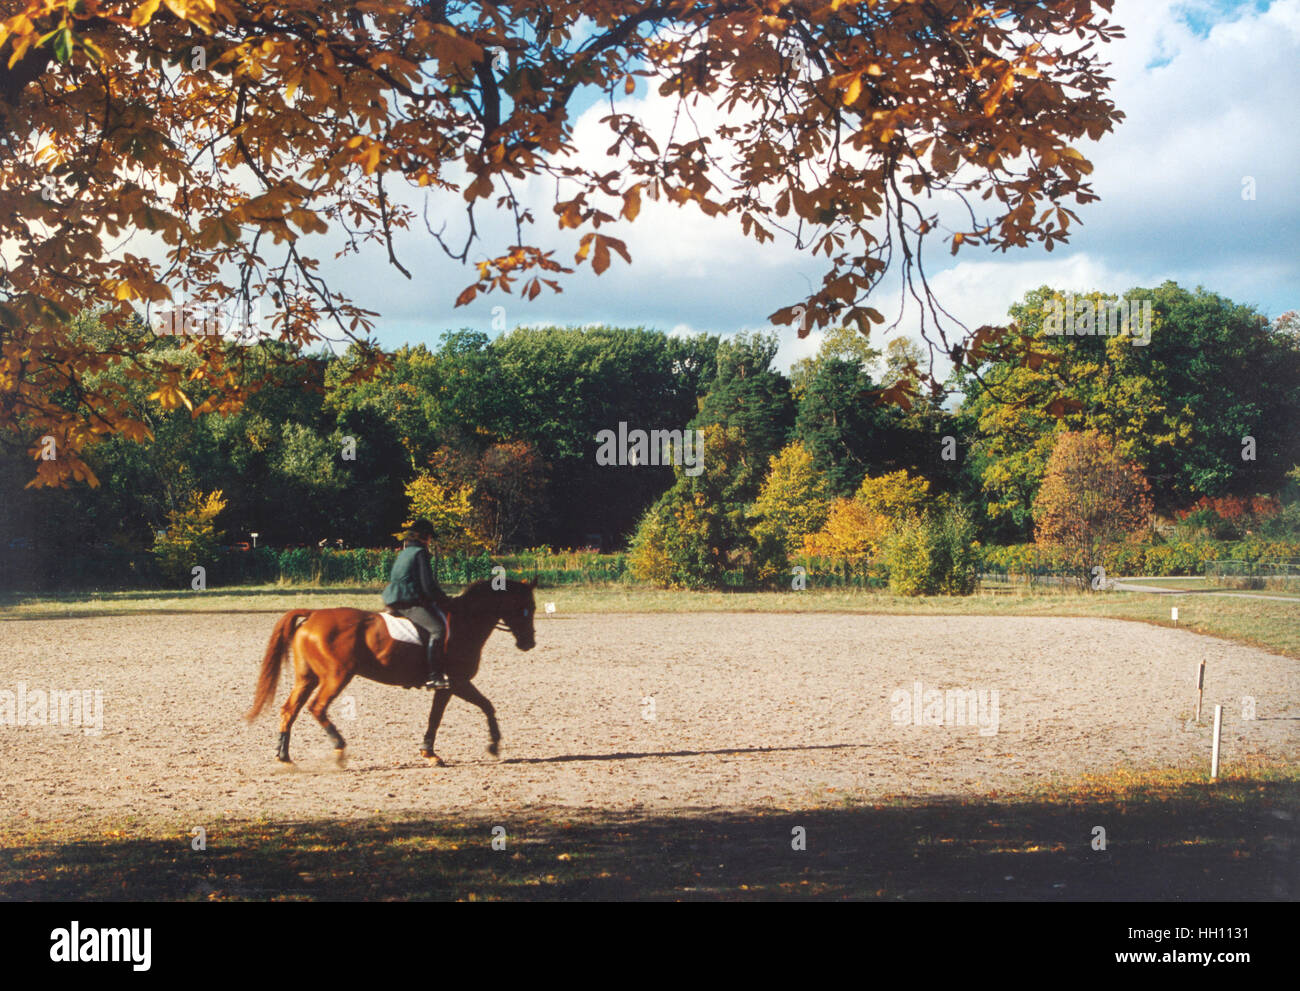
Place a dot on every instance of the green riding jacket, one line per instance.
(411, 582)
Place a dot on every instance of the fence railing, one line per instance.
(1255, 575)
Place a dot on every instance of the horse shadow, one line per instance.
(621, 755)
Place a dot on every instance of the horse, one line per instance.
(331, 646)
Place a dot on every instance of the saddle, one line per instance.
(402, 629)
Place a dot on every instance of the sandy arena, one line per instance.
(749, 711)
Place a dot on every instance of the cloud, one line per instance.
(1207, 90)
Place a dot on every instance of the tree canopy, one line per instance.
(153, 151)
(1213, 374)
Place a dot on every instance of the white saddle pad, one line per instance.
(401, 628)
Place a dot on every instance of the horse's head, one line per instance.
(517, 611)
(510, 607)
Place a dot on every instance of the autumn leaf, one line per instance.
(170, 397)
(853, 90)
(600, 261)
(329, 121)
(632, 203)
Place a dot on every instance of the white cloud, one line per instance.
(1204, 109)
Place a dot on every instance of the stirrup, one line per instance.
(439, 680)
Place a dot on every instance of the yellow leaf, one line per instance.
(144, 13)
(632, 203)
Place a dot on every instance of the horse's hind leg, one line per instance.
(305, 681)
(440, 699)
(318, 707)
(472, 695)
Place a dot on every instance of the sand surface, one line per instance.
(749, 711)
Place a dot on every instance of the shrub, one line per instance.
(907, 554)
(1090, 500)
(936, 554)
(791, 505)
(449, 510)
(190, 538)
(855, 529)
(955, 558)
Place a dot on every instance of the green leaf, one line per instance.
(63, 44)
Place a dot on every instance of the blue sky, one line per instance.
(1209, 88)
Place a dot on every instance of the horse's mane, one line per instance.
(482, 587)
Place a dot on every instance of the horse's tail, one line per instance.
(275, 651)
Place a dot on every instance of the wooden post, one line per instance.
(1200, 688)
(1214, 753)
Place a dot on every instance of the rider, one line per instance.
(413, 593)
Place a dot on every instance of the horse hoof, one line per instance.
(433, 758)
(341, 757)
(284, 760)
(494, 749)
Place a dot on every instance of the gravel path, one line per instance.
(749, 711)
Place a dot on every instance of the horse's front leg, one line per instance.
(440, 699)
(472, 695)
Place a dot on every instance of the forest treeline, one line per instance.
(496, 440)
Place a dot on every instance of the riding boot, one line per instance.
(433, 657)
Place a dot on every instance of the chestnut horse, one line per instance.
(331, 646)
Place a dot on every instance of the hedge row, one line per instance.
(121, 568)
(111, 567)
(1178, 558)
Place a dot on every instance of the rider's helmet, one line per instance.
(420, 530)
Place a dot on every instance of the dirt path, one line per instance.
(749, 711)
(1119, 584)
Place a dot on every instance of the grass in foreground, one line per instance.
(1170, 835)
(1268, 623)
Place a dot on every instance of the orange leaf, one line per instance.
(618, 246)
(632, 203)
(600, 261)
